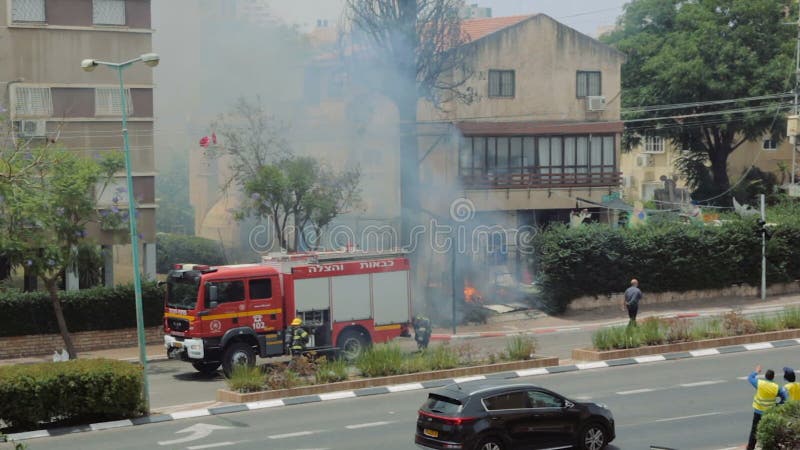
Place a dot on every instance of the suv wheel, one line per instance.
(593, 437)
(490, 443)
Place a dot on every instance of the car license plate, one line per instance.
(177, 344)
(431, 433)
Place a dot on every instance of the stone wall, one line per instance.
(651, 298)
(33, 345)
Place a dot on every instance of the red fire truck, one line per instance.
(226, 315)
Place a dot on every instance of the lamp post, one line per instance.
(151, 60)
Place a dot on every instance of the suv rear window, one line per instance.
(441, 404)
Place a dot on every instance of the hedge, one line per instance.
(77, 391)
(665, 255)
(97, 308)
(780, 427)
(178, 248)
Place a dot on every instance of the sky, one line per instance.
(587, 16)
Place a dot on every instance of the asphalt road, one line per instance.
(698, 403)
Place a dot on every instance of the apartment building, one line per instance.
(49, 97)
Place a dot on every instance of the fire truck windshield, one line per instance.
(182, 291)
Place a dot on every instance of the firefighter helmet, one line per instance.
(297, 322)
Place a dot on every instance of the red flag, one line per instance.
(214, 138)
(204, 142)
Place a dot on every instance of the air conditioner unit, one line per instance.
(595, 103)
(31, 128)
(644, 160)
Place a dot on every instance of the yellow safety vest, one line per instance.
(793, 391)
(766, 395)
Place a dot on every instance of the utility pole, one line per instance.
(796, 110)
(763, 249)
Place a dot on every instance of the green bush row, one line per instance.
(179, 248)
(665, 255)
(780, 427)
(97, 308)
(77, 391)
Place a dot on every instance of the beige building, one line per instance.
(49, 97)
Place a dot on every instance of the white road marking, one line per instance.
(671, 419)
(190, 414)
(366, 425)
(264, 404)
(218, 444)
(591, 365)
(701, 383)
(741, 378)
(567, 329)
(290, 435)
(337, 395)
(465, 379)
(758, 346)
(635, 391)
(529, 372)
(110, 425)
(647, 359)
(704, 352)
(583, 398)
(405, 387)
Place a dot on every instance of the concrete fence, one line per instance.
(651, 298)
(43, 344)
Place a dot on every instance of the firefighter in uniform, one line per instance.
(768, 394)
(422, 331)
(792, 388)
(299, 337)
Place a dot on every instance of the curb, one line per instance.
(365, 392)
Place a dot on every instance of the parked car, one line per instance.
(481, 415)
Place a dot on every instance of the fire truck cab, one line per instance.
(228, 315)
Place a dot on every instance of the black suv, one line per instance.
(481, 416)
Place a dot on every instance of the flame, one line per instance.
(471, 294)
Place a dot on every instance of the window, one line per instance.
(27, 11)
(541, 399)
(107, 102)
(512, 400)
(653, 144)
(260, 289)
(501, 83)
(33, 101)
(108, 12)
(588, 84)
(229, 291)
(769, 144)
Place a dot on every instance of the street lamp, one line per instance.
(150, 59)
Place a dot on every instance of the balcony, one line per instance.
(541, 180)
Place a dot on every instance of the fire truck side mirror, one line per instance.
(213, 296)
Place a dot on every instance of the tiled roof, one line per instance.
(487, 128)
(480, 28)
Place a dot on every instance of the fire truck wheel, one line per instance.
(236, 354)
(352, 344)
(206, 367)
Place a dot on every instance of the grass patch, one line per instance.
(381, 360)
(330, 371)
(245, 379)
(520, 347)
(764, 323)
(790, 318)
(440, 358)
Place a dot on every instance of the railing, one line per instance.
(541, 180)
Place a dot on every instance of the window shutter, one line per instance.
(594, 83)
(507, 83)
(108, 12)
(27, 11)
(107, 102)
(494, 84)
(33, 101)
(581, 84)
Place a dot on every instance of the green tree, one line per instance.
(45, 212)
(299, 192)
(695, 51)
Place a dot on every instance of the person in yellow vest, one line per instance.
(792, 389)
(768, 394)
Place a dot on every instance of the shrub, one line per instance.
(440, 357)
(330, 371)
(790, 317)
(736, 324)
(99, 308)
(706, 329)
(246, 379)
(179, 248)
(651, 331)
(281, 377)
(381, 360)
(764, 324)
(520, 347)
(86, 390)
(780, 427)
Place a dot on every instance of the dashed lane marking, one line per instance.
(702, 383)
(218, 444)
(291, 435)
(694, 416)
(366, 425)
(635, 391)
